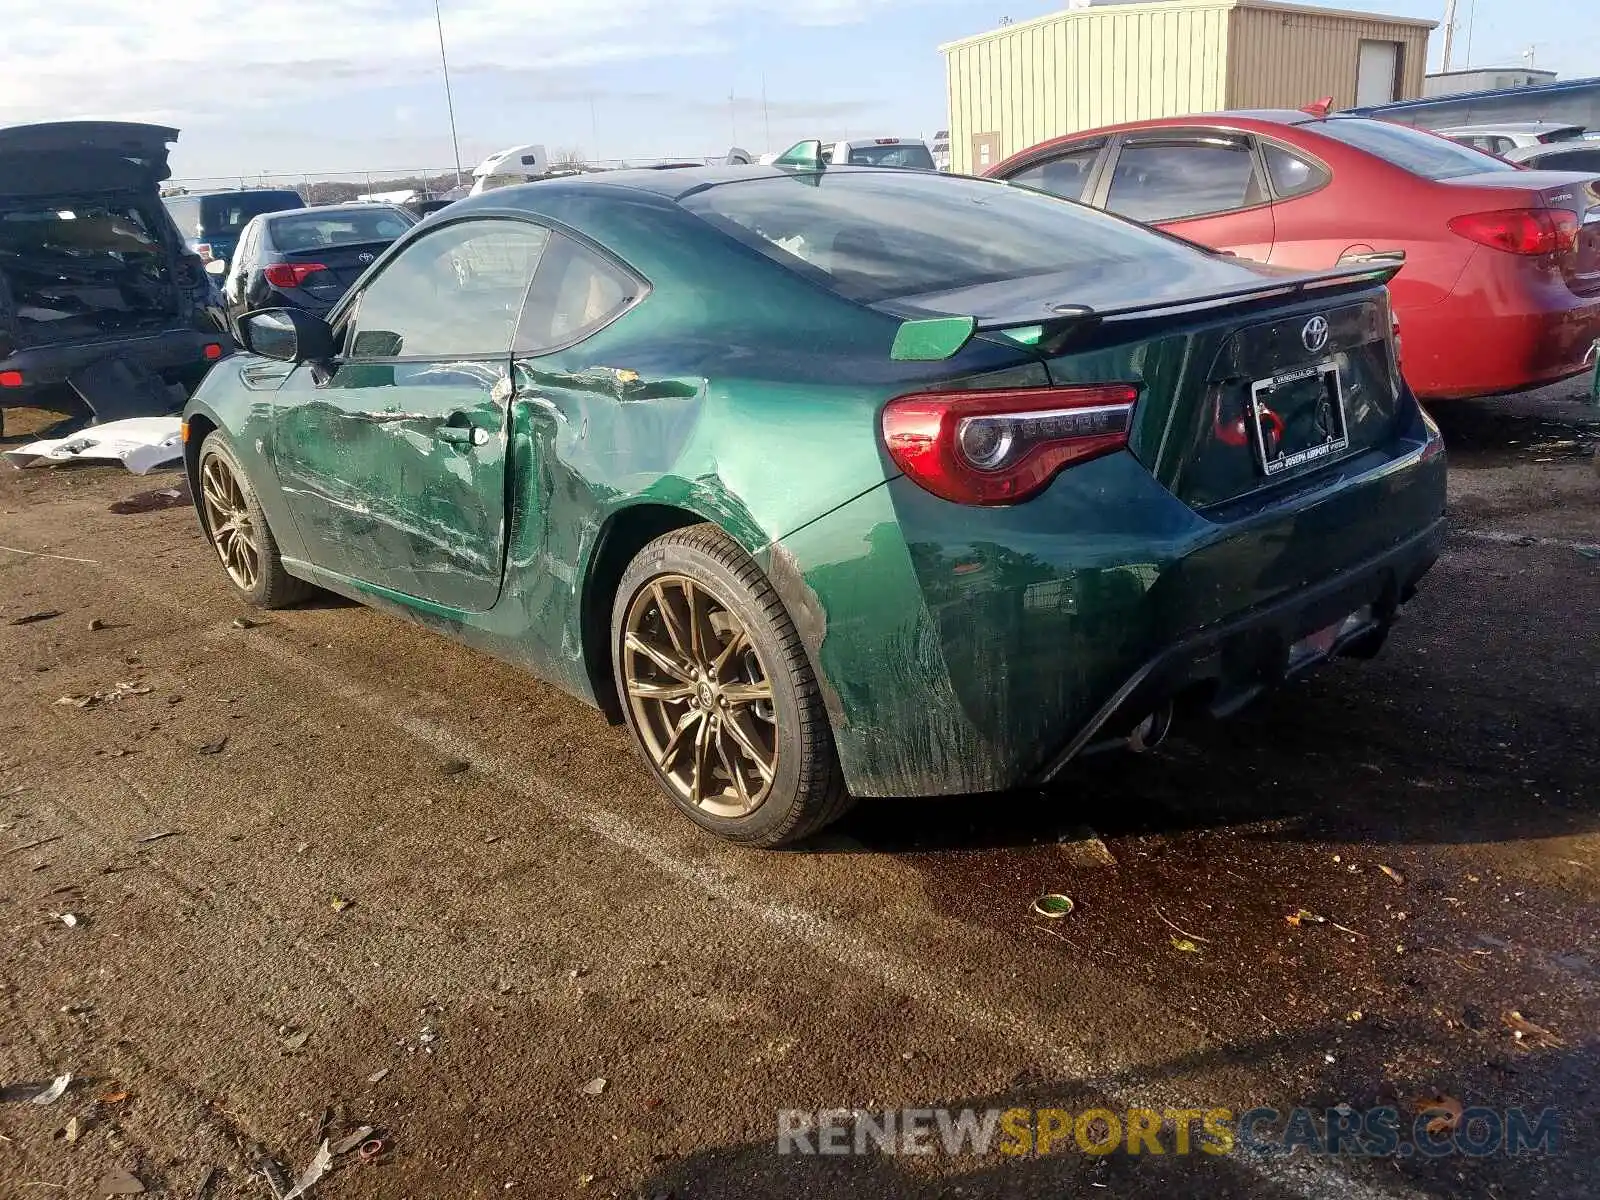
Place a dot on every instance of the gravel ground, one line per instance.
(410, 888)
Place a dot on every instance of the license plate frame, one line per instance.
(1270, 456)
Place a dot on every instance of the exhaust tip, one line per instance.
(1152, 731)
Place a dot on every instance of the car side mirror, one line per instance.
(216, 267)
(287, 335)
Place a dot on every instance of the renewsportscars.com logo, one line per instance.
(1371, 1133)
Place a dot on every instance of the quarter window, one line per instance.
(1292, 175)
(1166, 181)
(455, 293)
(1065, 176)
(574, 293)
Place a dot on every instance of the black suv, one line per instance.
(211, 222)
(97, 288)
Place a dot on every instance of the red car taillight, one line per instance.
(1531, 231)
(1002, 447)
(289, 275)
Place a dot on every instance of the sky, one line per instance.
(302, 86)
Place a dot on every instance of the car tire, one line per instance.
(729, 719)
(239, 532)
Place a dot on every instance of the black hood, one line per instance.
(75, 156)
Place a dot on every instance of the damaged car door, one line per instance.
(393, 458)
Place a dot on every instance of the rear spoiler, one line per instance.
(935, 337)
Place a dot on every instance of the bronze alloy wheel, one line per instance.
(701, 697)
(233, 530)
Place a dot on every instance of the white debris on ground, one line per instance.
(140, 443)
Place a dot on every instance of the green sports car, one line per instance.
(835, 482)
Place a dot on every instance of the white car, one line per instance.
(1514, 141)
(905, 153)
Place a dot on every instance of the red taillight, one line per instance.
(1531, 231)
(212, 351)
(288, 275)
(1002, 447)
(10, 378)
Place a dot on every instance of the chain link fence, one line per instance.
(332, 187)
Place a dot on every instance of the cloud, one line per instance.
(181, 60)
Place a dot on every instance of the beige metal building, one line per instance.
(1101, 63)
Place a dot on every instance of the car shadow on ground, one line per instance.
(1558, 422)
(1408, 1066)
(1315, 763)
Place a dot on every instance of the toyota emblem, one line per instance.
(1315, 334)
(365, 257)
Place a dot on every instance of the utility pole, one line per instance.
(1449, 31)
(766, 113)
(450, 101)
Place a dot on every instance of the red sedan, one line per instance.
(1501, 285)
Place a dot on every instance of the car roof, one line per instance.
(312, 210)
(671, 183)
(872, 141)
(1511, 127)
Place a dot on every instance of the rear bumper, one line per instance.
(967, 650)
(1508, 325)
(171, 353)
(1226, 667)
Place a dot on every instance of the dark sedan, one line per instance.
(308, 259)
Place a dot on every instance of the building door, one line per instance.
(1378, 73)
(985, 151)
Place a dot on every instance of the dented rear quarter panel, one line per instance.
(961, 647)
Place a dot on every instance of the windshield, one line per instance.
(232, 212)
(877, 235)
(905, 155)
(314, 228)
(1421, 153)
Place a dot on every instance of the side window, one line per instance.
(186, 215)
(1065, 176)
(1164, 181)
(1291, 174)
(454, 293)
(574, 293)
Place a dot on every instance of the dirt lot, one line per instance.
(410, 888)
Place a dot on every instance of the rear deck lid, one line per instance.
(78, 156)
(1248, 376)
(1575, 192)
(341, 266)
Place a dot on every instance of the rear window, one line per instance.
(872, 235)
(1566, 160)
(313, 229)
(1424, 154)
(231, 213)
(914, 157)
